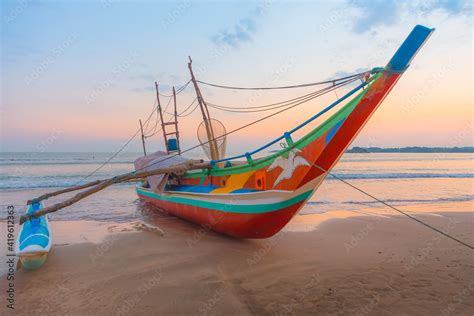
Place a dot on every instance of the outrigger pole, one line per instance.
(205, 115)
(98, 185)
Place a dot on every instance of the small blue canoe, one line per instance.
(34, 239)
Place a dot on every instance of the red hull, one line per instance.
(237, 225)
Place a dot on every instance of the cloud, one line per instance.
(174, 77)
(450, 6)
(146, 77)
(161, 78)
(143, 89)
(375, 13)
(164, 88)
(241, 32)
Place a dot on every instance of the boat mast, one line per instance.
(160, 112)
(205, 115)
(176, 120)
(143, 138)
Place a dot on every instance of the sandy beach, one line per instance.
(362, 265)
(341, 130)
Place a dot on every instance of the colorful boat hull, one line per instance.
(34, 239)
(246, 215)
(258, 198)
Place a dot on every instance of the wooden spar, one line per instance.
(205, 115)
(143, 138)
(160, 112)
(176, 120)
(74, 188)
(99, 185)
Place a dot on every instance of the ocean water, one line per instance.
(439, 180)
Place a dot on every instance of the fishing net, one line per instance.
(218, 132)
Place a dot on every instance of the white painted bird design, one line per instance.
(288, 164)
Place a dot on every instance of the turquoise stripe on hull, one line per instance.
(35, 240)
(34, 233)
(231, 208)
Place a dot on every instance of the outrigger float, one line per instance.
(34, 239)
(242, 196)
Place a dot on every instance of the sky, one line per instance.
(78, 75)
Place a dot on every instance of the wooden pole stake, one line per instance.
(176, 121)
(143, 138)
(160, 112)
(205, 115)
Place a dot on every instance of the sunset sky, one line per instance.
(78, 75)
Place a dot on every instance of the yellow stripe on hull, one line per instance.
(234, 182)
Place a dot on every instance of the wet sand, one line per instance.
(366, 265)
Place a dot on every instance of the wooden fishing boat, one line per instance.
(34, 239)
(257, 198)
(253, 198)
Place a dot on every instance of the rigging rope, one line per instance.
(191, 112)
(165, 95)
(277, 105)
(183, 87)
(178, 91)
(396, 209)
(227, 133)
(157, 120)
(283, 87)
(179, 115)
(120, 149)
(145, 124)
(235, 130)
(154, 131)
